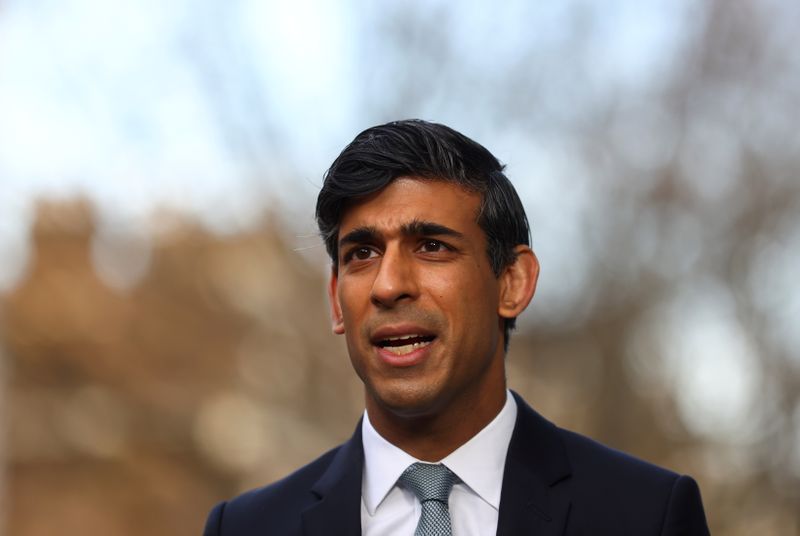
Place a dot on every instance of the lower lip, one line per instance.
(415, 357)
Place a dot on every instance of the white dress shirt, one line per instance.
(388, 509)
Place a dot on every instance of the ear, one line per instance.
(337, 319)
(518, 283)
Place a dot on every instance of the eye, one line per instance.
(360, 254)
(433, 246)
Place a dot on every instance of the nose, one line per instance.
(395, 282)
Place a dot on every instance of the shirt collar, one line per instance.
(479, 462)
(383, 465)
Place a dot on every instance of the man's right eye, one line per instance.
(360, 254)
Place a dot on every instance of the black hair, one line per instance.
(432, 151)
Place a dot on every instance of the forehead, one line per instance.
(408, 199)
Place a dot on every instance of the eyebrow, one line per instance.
(360, 235)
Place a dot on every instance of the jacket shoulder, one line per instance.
(607, 484)
(598, 462)
(278, 505)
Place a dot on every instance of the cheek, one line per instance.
(349, 300)
(462, 294)
(354, 305)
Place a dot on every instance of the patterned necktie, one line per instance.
(431, 484)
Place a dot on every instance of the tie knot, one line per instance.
(429, 481)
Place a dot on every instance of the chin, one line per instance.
(407, 399)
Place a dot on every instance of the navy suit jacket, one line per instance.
(555, 482)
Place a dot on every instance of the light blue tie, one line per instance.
(431, 484)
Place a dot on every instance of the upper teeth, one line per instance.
(402, 337)
(406, 348)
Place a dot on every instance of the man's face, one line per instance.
(416, 299)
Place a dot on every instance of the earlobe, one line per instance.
(337, 320)
(518, 283)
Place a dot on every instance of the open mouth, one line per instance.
(405, 344)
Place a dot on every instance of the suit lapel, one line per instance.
(533, 498)
(338, 511)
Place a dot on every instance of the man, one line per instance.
(431, 266)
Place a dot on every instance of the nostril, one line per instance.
(390, 299)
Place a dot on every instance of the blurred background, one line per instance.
(164, 335)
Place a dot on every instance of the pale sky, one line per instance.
(106, 99)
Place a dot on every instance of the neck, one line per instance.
(432, 436)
